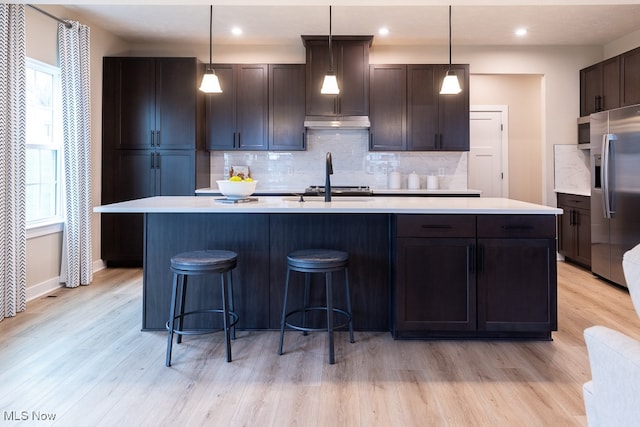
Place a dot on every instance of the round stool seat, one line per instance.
(206, 260)
(317, 259)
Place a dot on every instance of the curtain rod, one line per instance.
(62, 21)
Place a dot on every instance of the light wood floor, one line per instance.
(79, 355)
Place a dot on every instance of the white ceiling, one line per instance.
(554, 23)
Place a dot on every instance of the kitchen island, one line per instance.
(435, 267)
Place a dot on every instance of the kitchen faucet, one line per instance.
(327, 181)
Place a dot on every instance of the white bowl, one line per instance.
(237, 189)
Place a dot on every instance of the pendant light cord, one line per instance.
(210, 37)
(449, 37)
(330, 50)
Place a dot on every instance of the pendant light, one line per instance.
(450, 84)
(330, 83)
(210, 82)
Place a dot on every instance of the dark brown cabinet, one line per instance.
(435, 274)
(629, 72)
(286, 107)
(432, 122)
(600, 87)
(237, 118)
(475, 276)
(574, 228)
(351, 65)
(151, 145)
(388, 107)
(517, 276)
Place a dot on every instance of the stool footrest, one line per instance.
(201, 331)
(309, 329)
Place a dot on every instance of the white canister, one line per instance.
(432, 182)
(413, 181)
(395, 180)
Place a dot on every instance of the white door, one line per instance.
(488, 160)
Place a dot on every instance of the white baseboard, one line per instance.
(50, 285)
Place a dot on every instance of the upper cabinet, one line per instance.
(408, 112)
(629, 71)
(286, 107)
(154, 101)
(237, 118)
(351, 65)
(610, 84)
(600, 87)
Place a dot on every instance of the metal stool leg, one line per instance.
(225, 316)
(346, 282)
(231, 304)
(172, 315)
(305, 301)
(329, 295)
(182, 281)
(284, 310)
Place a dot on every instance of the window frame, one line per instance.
(55, 223)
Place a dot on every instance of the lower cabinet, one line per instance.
(466, 276)
(574, 228)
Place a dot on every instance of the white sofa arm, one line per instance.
(615, 370)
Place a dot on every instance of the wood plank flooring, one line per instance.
(78, 355)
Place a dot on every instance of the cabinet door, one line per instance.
(630, 70)
(388, 107)
(252, 105)
(317, 54)
(422, 108)
(611, 83)
(590, 89)
(135, 174)
(175, 173)
(583, 236)
(175, 113)
(135, 99)
(435, 285)
(353, 73)
(566, 232)
(517, 285)
(220, 111)
(453, 112)
(286, 107)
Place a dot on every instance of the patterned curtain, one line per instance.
(13, 116)
(73, 47)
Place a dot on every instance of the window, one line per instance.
(44, 136)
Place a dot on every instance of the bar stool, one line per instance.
(196, 263)
(310, 261)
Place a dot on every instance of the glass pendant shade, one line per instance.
(330, 85)
(210, 83)
(450, 84)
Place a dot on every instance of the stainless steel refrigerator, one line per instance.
(615, 189)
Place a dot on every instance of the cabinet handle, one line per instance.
(153, 163)
(234, 140)
(239, 139)
(157, 160)
(436, 226)
(370, 139)
(158, 138)
(152, 138)
(303, 140)
(517, 227)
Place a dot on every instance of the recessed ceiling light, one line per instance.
(521, 32)
(383, 31)
(236, 31)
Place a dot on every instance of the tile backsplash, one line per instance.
(572, 172)
(353, 163)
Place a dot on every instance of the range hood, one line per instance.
(333, 122)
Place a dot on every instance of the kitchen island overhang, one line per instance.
(263, 232)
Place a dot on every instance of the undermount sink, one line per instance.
(334, 199)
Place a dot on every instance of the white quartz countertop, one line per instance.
(344, 204)
(379, 191)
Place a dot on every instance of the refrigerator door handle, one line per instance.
(607, 139)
